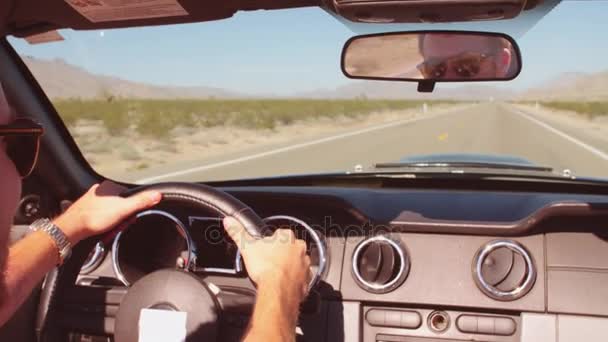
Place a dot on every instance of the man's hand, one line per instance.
(100, 209)
(278, 261)
(280, 267)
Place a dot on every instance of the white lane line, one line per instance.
(283, 149)
(570, 138)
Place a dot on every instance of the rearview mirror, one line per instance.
(432, 56)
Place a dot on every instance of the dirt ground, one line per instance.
(116, 155)
(596, 127)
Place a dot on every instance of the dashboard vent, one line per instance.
(380, 264)
(504, 270)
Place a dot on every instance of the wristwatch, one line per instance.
(61, 241)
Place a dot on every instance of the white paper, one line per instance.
(162, 326)
(111, 10)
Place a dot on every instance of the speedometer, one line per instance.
(157, 240)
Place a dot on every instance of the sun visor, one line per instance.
(29, 17)
(515, 27)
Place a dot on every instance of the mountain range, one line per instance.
(62, 80)
(408, 90)
(572, 86)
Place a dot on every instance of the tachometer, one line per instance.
(316, 247)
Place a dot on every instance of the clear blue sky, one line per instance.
(296, 50)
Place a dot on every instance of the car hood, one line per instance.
(466, 158)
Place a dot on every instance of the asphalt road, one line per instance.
(489, 128)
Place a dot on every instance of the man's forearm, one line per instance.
(28, 261)
(275, 314)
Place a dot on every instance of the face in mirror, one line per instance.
(437, 56)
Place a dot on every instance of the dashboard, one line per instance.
(396, 265)
(158, 239)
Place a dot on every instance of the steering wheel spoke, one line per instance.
(90, 310)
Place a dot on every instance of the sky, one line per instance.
(289, 51)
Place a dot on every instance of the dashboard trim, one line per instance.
(453, 285)
(419, 223)
(99, 253)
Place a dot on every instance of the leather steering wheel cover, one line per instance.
(59, 285)
(216, 200)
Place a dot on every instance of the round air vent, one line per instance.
(380, 264)
(504, 270)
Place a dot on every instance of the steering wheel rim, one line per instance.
(210, 198)
(204, 196)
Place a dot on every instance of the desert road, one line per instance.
(488, 128)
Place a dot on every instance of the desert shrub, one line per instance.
(113, 114)
(154, 124)
(127, 152)
(156, 118)
(587, 108)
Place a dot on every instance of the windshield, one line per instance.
(262, 94)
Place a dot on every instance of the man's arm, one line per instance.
(28, 261)
(275, 314)
(280, 267)
(98, 211)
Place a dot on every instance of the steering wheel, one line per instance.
(167, 289)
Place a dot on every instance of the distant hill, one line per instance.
(571, 87)
(408, 90)
(62, 80)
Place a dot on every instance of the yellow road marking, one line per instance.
(442, 137)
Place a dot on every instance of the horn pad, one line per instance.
(171, 290)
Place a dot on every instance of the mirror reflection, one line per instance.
(439, 56)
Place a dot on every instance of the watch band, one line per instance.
(61, 241)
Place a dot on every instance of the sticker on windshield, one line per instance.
(45, 37)
(112, 10)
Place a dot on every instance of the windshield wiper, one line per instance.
(463, 165)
